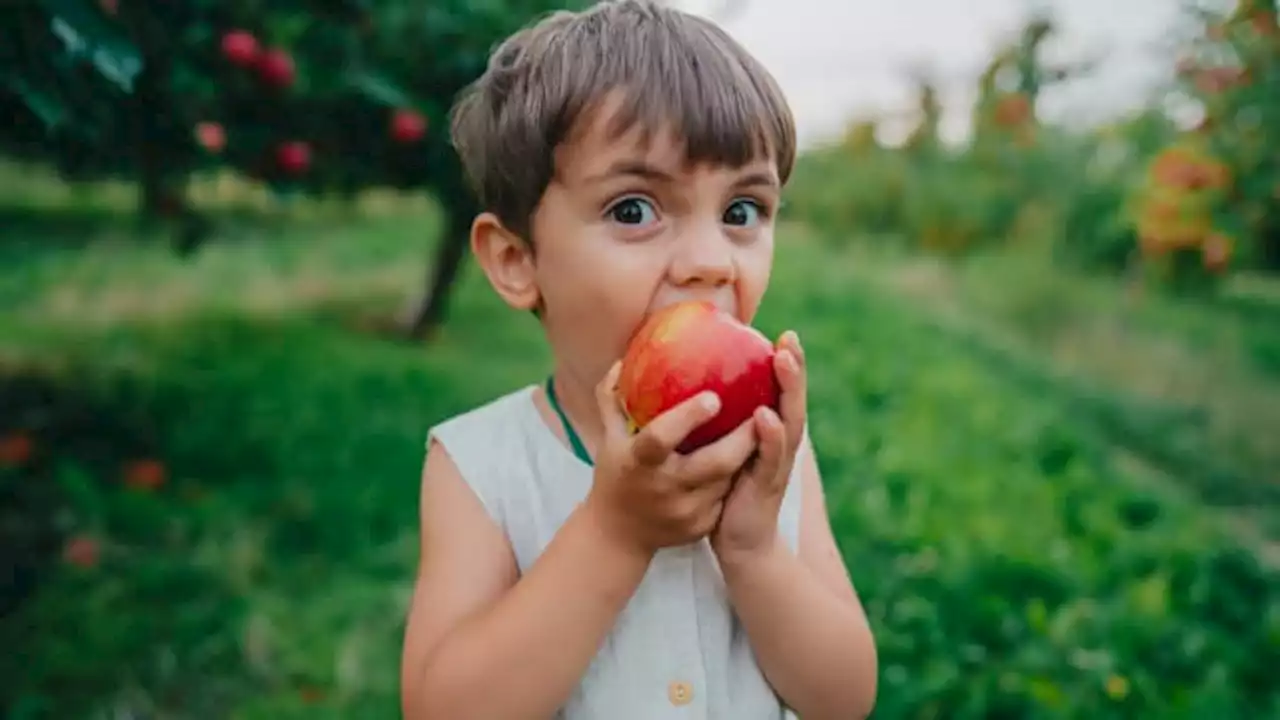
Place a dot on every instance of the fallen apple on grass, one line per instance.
(691, 347)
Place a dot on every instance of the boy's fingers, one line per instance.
(615, 422)
(722, 458)
(659, 438)
(792, 380)
(773, 447)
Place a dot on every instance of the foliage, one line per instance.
(1212, 199)
(1007, 180)
(1174, 220)
(1070, 192)
(158, 90)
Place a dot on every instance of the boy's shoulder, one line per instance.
(487, 418)
(489, 445)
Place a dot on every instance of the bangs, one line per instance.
(689, 79)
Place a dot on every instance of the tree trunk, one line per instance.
(431, 309)
(162, 183)
(155, 197)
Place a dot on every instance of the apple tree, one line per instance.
(309, 96)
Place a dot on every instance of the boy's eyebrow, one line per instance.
(756, 179)
(632, 167)
(650, 172)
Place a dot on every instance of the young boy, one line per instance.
(628, 157)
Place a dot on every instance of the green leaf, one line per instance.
(86, 35)
(379, 89)
(46, 107)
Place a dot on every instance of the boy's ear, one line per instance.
(507, 260)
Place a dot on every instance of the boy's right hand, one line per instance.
(648, 496)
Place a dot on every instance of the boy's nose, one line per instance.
(703, 259)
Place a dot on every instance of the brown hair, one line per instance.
(669, 66)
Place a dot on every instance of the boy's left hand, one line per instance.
(749, 521)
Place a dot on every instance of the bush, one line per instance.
(1211, 201)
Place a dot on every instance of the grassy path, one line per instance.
(1187, 389)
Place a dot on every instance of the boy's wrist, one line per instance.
(605, 531)
(736, 561)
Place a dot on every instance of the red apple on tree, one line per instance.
(211, 136)
(294, 156)
(81, 550)
(240, 48)
(691, 347)
(407, 126)
(276, 68)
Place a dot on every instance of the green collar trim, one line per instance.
(575, 442)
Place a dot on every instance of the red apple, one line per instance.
(276, 69)
(294, 156)
(407, 126)
(240, 47)
(211, 136)
(82, 551)
(15, 449)
(691, 347)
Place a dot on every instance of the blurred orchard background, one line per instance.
(1033, 252)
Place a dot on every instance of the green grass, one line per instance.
(1192, 387)
(1012, 562)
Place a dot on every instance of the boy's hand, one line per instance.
(648, 496)
(749, 523)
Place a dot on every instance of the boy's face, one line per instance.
(627, 228)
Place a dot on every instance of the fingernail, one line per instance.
(711, 402)
(788, 339)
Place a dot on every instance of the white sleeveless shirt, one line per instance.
(677, 649)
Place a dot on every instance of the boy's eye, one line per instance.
(632, 211)
(742, 212)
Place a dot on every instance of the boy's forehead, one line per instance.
(601, 144)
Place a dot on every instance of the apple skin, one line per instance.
(211, 136)
(240, 47)
(294, 156)
(407, 126)
(276, 68)
(691, 347)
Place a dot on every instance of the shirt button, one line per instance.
(680, 693)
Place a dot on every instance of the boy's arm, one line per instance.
(481, 644)
(803, 617)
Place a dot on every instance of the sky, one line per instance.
(838, 58)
